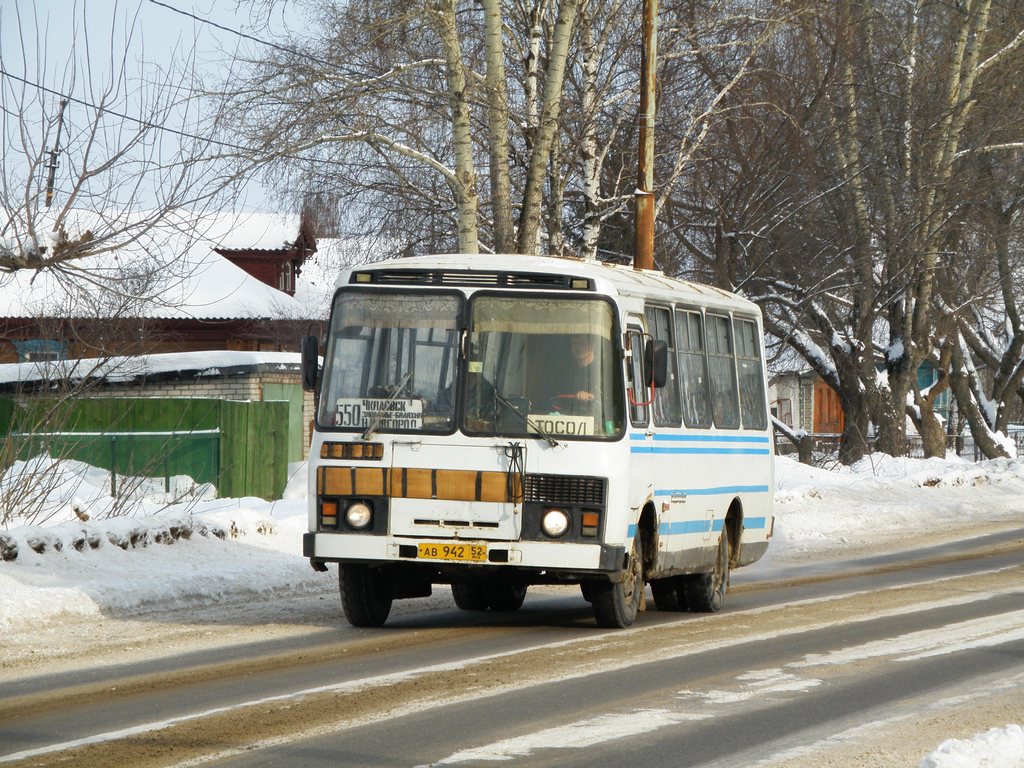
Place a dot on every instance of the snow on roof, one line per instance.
(125, 369)
(166, 271)
(262, 231)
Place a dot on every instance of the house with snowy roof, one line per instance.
(200, 307)
(191, 284)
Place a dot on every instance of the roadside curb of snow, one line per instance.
(134, 535)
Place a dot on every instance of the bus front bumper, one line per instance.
(553, 557)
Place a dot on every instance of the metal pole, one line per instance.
(643, 244)
(53, 154)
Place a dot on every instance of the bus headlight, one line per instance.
(554, 523)
(359, 515)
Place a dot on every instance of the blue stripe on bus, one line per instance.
(700, 451)
(714, 491)
(697, 526)
(702, 438)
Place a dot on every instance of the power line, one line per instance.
(159, 127)
(248, 150)
(245, 35)
(123, 116)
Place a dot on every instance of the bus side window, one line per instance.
(751, 375)
(693, 369)
(666, 399)
(639, 392)
(722, 372)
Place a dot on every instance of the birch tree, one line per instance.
(380, 102)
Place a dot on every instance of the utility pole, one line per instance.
(643, 235)
(52, 167)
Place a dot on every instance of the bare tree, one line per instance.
(980, 292)
(450, 107)
(97, 138)
(856, 161)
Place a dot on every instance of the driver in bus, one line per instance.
(578, 381)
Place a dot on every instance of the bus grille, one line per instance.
(561, 489)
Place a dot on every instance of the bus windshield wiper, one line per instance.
(546, 437)
(380, 414)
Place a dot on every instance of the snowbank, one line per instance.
(880, 499)
(222, 548)
(997, 748)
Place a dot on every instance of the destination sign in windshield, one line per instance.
(358, 412)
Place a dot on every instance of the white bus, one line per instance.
(495, 422)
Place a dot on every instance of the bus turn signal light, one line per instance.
(329, 514)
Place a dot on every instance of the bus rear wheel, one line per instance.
(366, 594)
(669, 594)
(705, 592)
(616, 603)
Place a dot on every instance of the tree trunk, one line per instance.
(890, 418)
(497, 122)
(856, 418)
(805, 450)
(530, 217)
(933, 435)
(963, 383)
(588, 143)
(555, 201)
(464, 190)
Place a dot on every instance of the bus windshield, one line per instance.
(543, 366)
(390, 363)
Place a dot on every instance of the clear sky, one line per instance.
(77, 48)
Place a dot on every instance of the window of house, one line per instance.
(286, 278)
(33, 350)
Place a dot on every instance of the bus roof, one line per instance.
(478, 271)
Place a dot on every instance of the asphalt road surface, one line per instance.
(870, 662)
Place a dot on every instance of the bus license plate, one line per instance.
(470, 553)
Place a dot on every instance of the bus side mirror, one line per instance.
(310, 348)
(656, 363)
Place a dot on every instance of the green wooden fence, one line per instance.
(240, 447)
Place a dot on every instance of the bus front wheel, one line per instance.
(616, 603)
(498, 596)
(505, 597)
(470, 596)
(705, 592)
(366, 594)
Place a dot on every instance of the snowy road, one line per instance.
(806, 667)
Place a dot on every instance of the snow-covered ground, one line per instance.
(80, 552)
